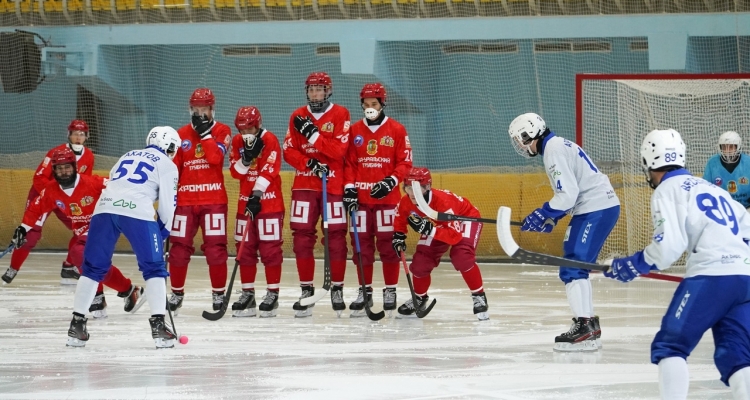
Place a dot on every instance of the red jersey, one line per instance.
(450, 232)
(78, 206)
(43, 175)
(329, 148)
(200, 163)
(374, 153)
(262, 174)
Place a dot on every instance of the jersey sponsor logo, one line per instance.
(730, 258)
(199, 153)
(124, 204)
(46, 161)
(86, 200)
(186, 145)
(346, 126)
(364, 185)
(586, 232)
(743, 181)
(387, 141)
(718, 181)
(408, 143)
(58, 203)
(331, 174)
(75, 210)
(82, 169)
(358, 140)
(732, 187)
(327, 127)
(203, 187)
(372, 147)
(272, 157)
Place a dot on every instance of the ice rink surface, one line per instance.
(447, 355)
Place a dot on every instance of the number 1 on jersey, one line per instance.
(583, 155)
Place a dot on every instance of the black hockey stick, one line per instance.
(326, 253)
(169, 311)
(215, 316)
(421, 311)
(373, 316)
(441, 216)
(8, 250)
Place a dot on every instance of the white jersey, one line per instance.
(578, 184)
(693, 215)
(139, 178)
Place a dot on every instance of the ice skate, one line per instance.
(9, 275)
(98, 308)
(175, 302)
(407, 310)
(163, 335)
(580, 337)
(69, 275)
(357, 307)
(77, 333)
(133, 298)
(245, 306)
(480, 306)
(389, 300)
(301, 311)
(269, 305)
(218, 300)
(337, 299)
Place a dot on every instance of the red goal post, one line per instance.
(615, 111)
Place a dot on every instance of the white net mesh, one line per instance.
(617, 114)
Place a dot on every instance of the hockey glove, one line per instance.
(350, 200)
(420, 225)
(251, 150)
(382, 188)
(252, 207)
(317, 168)
(542, 219)
(305, 127)
(399, 242)
(19, 237)
(202, 125)
(628, 268)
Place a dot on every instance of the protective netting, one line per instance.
(617, 114)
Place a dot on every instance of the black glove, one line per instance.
(202, 125)
(317, 168)
(399, 242)
(420, 225)
(19, 237)
(252, 207)
(382, 188)
(305, 126)
(350, 200)
(251, 151)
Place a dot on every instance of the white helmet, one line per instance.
(165, 138)
(731, 138)
(662, 148)
(524, 129)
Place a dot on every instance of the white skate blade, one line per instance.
(599, 343)
(408, 316)
(338, 313)
(483, 316)
(268, 314)
(586, 345)
(358, 314)
(389, 313)
(303, 313)
(138, 305)
(248, 312)
(68, 281)
(162, 343)
(74, 342)
(99, 314)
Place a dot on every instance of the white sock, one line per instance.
(591, 299)
(674, 378)
(579, 297)
(740, 384)
(156, 294)
(85, 292)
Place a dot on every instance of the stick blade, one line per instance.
(215, 316)
(504, 235)
(421, 202)
(374, 316)
(423, 312)
(314, 298)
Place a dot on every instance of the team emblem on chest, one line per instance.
(82, 169)
(387, 141)
(199, 151)
(732, 187)
(86, 200)
(327, 127)
(75, 210)
(372, 147)
(743, 181)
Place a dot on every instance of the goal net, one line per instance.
(615, 112)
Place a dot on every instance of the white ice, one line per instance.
(447, 355)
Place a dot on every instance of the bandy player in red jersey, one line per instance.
(75, 196)
(78, 132)
(255, 160)
(316, 142)
(201, 198)
(436, 237)
(379, 157)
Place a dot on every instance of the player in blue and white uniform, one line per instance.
(692, 215)
(729, 170)
(126, 206)
(585, 193)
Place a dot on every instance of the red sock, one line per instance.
(473, 279)
(100, 288)
(338, 270)
(18, 257)
(71, 244)
(177, 277)
(390, 274)
(116, 280)
(247, 275)
(306, 269)
(421, 285)
(368, 275)
(273, 277)
(218, 275)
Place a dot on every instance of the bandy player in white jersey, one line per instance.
(126, 206)
(585, 193)
(694, 216)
